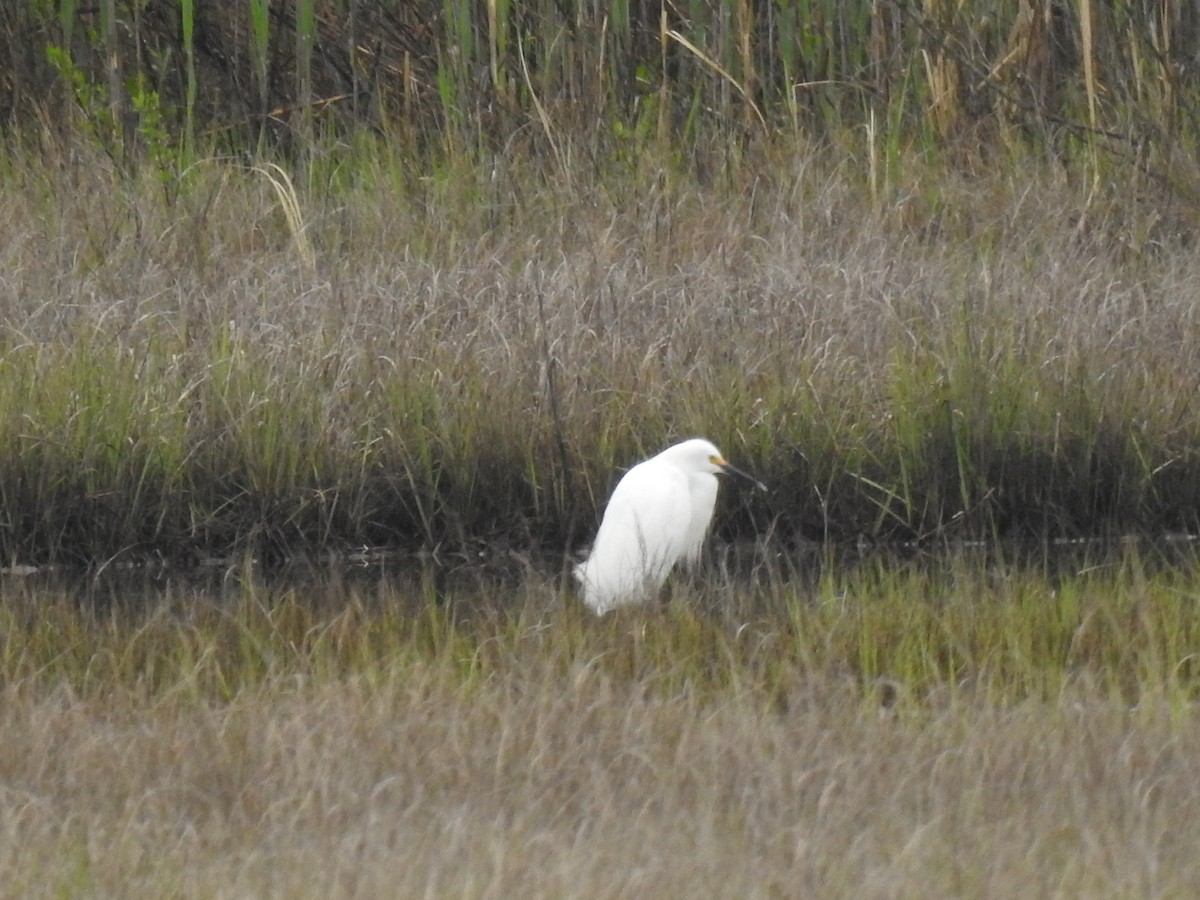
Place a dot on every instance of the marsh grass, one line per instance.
(879, 729)
(1118, 618)
(930, 278)
(368, 355)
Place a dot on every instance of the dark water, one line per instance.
(483, 577)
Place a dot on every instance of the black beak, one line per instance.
(733, 470)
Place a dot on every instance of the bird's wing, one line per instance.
(653, 506)
(642, 535)
(703, 489)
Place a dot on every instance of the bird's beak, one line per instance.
(734, 470)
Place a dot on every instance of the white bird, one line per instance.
(658, 514)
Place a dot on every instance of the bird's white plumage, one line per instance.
(658, 514)
(702, 487)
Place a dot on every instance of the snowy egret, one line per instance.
(658, 515)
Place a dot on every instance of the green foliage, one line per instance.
(90, 99)
(152, 129)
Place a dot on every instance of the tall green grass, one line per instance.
(471, 77)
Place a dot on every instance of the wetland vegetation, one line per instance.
(282, 281)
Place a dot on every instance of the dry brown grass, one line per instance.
(1039, 739)
(551, 784)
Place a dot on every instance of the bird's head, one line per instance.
(700, 455)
